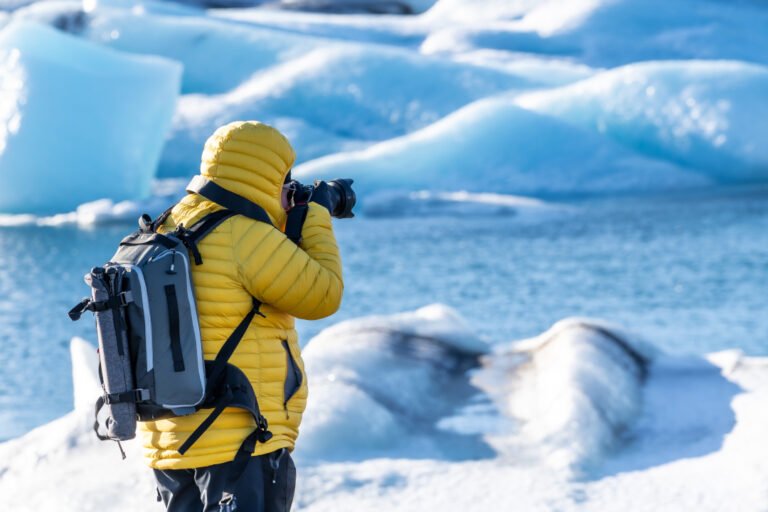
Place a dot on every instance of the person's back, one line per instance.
(245, 259)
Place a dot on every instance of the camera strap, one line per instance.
(295, 222)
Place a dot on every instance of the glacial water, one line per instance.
(690, 275)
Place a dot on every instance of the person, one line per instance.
(245, 258)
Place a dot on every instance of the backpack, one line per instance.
(151, 362)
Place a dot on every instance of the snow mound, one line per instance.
(381, 384)
(575, 389)
(70, 131)
(709, 116)
(494, 145)
(63, 466)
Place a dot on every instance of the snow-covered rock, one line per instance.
(381, 384)
(575, 389)
(78, 122)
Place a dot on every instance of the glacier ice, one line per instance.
(494, 145)
(374, 92)
(217, 56)
(706, 115)
(70, 129)
(337, 98)
(602, 32)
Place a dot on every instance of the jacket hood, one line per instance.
(250, 159)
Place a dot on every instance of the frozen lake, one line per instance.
(688, 274)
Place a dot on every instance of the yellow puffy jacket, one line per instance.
(244, 258)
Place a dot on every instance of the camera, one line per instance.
(336, 195)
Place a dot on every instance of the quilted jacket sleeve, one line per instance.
(304, 281)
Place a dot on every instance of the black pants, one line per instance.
(266, 485)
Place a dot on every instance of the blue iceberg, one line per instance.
(70, 128)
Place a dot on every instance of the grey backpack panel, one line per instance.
(176, 356)
(113, 355)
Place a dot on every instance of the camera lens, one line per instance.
(343, 197)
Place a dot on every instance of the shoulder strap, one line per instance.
(208, 223)
(192, 236)
(227, 199)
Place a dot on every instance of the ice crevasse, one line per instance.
(70, 131)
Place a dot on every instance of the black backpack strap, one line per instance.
(227, 199)
(192, 236)
(215, 379)
(233, 390)
(295, 222)
(161, 219)
(222, 358)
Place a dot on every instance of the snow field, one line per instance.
(595, 418)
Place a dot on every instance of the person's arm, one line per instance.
(304, 281)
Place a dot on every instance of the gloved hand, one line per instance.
(321, 195)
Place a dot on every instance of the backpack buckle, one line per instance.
(132, 396)
(125, 298)
(76, 312)
(228, 503)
